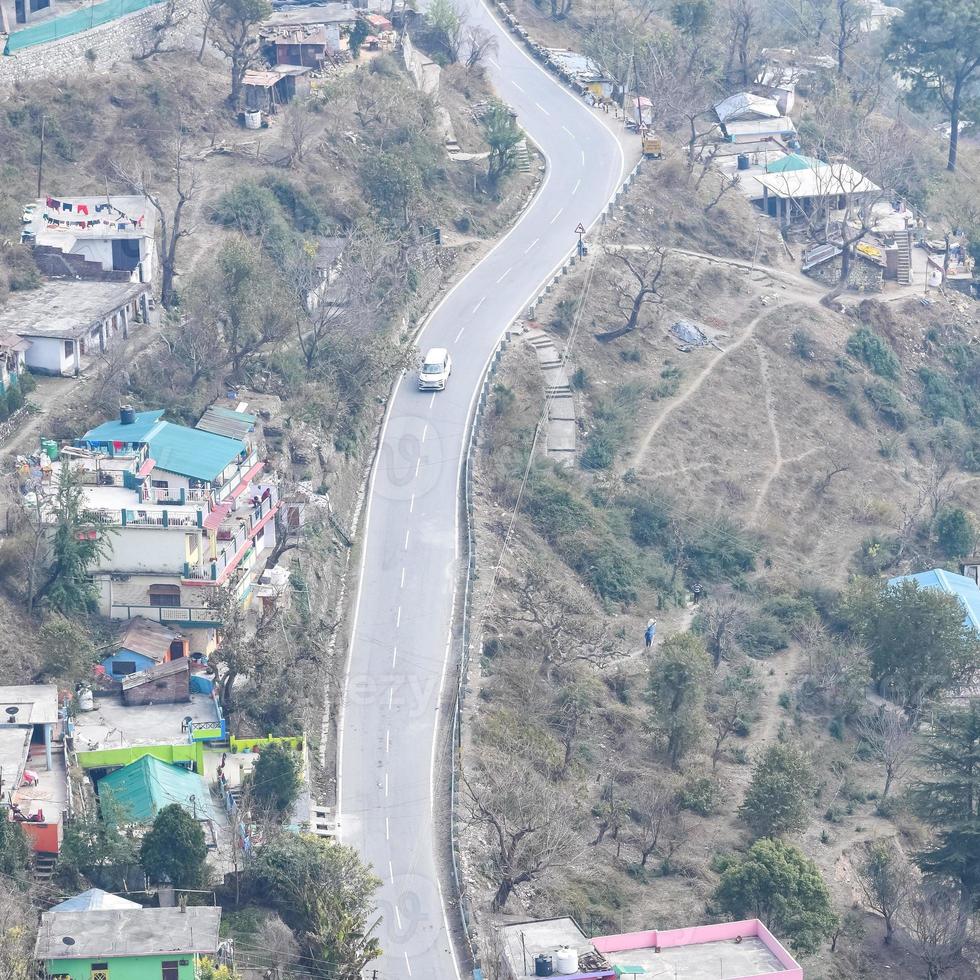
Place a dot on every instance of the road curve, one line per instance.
(400, 649)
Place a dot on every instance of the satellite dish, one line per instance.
(68, 941)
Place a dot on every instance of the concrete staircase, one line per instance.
(562, 427)
(44, 866)
(904, 243)
(522, 158)
(323, 821)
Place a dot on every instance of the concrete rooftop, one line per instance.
(522, 941)
(14, 743)
(721, 960)
(107, 933)
(65, 308)
(36, 704)
(114, 725)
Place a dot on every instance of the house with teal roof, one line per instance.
(187, 510)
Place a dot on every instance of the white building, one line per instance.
(108, 237)
(189, 512)
(68, 323)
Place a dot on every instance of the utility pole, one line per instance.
(40, 158)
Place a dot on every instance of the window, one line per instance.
(121, 667)
(165, 595)
(170, 970)
(99, 971)
(160, 484)
(69, 348)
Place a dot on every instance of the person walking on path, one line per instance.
(650, 633)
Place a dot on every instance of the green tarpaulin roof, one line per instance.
(138, 792)
(792, 162)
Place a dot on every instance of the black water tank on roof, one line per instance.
(543, 965)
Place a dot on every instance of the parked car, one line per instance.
(436, 367)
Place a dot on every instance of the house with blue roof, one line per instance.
(182, 458)
(964, 588)
(191, 510)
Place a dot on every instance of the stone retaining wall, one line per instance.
(864, 277)
(110, 43)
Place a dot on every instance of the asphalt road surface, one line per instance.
(400, 644)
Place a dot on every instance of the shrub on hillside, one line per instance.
(940, 398)
(874, 352)
(648, 520)
(955, 533)
(887, 401)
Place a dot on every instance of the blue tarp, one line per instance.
(76, 22)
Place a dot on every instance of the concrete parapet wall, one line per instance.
(110, 44)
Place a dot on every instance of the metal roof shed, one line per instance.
(192, 452)
(964, 588)
(94, 899)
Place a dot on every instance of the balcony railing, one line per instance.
(175, 495)
(182, 517)
(201, 615)
(240, 530)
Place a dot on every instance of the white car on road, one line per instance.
(436, 368)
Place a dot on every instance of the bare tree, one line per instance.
(170, 214)
(683, 93)
(889, 736)
(530, 826)
(34, 503)
(209, 11)
(612, 32)
(643, 271)
(939, 486)
(719, 621)
(730, 707)
(935, 923)
(743, 24)
(575, 703)
(18, 929)
(885, 879)
(610, 813)
(848, 15)
(836, 674)
(481, 44)
(299, 129)
(655, 812)
(834, 465)
(235, 22)
(153, 44)
(559, 630)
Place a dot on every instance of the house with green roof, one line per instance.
(191, 510)
(136, 793)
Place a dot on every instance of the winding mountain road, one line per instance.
(402, 661)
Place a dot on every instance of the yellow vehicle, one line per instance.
(652, 147)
